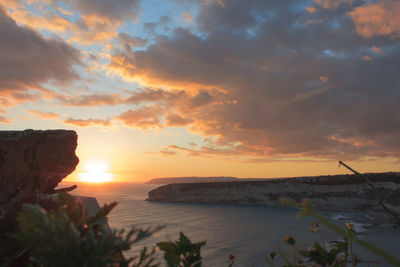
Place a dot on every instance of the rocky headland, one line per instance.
(33, 163)
(329, 193)
(195, 179)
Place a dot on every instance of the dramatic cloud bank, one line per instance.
(294, 82)
(260, 79)
(27, 60)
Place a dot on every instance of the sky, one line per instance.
(164, 88)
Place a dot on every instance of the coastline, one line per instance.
(337, 193)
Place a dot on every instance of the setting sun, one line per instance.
(96, 172)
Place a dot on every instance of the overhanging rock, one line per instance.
(33, 162)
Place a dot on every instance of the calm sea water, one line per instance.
(248, 232)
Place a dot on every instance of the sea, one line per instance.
(249, 233)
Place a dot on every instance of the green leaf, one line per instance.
(182, 252)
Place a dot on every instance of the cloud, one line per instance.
(88, 122)
(273, 85)
(84, 22)
(332, 4)
(111, 11)
(323, 79)
(142, 66)
(92, 30)
(28, 60)
(176, 120)
(311, 9)
(179, 100)
(90, 100)
(44, 115)
(147, 95)
(377, 50)
(144, 118)
(167, 152)
(129, 41)
(49, 21)
(4, 120)
(261, 79)
(202, 152)
(155, 108)
(187, 17)
(377, 19)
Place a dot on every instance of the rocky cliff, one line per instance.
(339, 192)
(180, 180)
(33, 162)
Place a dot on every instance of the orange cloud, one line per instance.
(376, 19)
(148, 71)
(202, 152)
(88, 122)
(187, 17)
(323, 79)
(49, 21)
(144, 118)
(332, 4)
(221, 3)
(90, 100)
(280, 110)
(20, 49)
(92, 27)
(238, 80)
(168, 152)
(4, 120)
(44, 115)
(377, 50)
(176, 120)
(168, 108)
(311, 9)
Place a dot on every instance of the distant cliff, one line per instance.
(338, 192)
(179, 180)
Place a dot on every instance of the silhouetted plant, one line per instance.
(339, 251)
(231, 260)
(182, 253)
(68, 237)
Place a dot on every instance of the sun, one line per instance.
(96, 172)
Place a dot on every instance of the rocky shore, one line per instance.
(327, 193)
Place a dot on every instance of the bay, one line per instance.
(249, 233)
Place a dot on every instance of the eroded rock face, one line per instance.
(334, 193)
(34, 162)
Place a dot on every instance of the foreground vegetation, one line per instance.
(60, 233)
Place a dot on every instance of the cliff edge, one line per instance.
(34, 162)
(180, 180)
(334, 193)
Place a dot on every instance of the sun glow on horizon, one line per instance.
(96, 172)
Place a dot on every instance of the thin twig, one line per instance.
(374, 191)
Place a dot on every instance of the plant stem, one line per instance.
(351, 250)
(378, 251)
(374, 191)
(322, 239)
